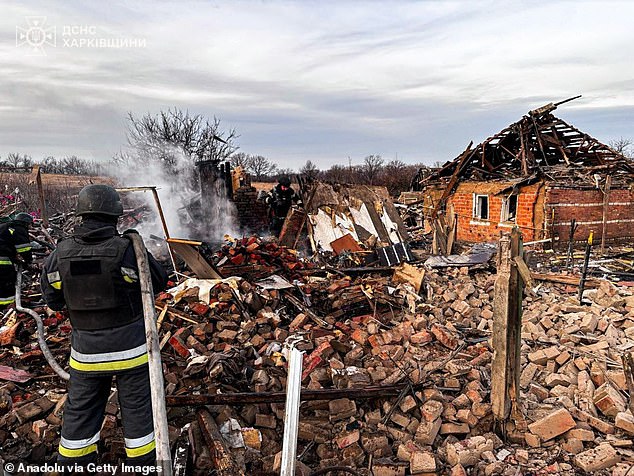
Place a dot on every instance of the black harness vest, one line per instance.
(96, 294)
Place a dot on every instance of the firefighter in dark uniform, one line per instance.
(94, 275)
(281, 198)
(15, 245)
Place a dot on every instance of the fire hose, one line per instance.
(40, 328)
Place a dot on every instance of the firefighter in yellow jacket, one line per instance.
(94, 275)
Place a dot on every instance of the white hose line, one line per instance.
(40, 328)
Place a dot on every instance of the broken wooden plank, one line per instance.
(406, 273)
(628, 370)
(507, 323)
(193, 259)
(564, 279)
(524, 271)
(199, 451)
(220, 453)
(460, 162)
(303, 308)
(175, 313)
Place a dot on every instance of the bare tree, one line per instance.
(50, 165)
(15, 159)
(371, 168)
(281, 172)
(240, 159)
(341, 174)
(623, 146)
(169, 134)
(261, 167)
(73, 165)
(309, 170)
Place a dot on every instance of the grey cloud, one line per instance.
(75, 102)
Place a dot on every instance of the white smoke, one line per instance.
(177, 189)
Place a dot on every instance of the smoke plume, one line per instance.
(175, 176)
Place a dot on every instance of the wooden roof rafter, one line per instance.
(539, 141)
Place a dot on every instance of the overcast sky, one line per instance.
(319, 80)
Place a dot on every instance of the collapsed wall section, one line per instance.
(252, 213)
(586, 206)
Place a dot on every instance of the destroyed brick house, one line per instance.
(538, 174)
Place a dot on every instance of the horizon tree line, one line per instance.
(175, 139)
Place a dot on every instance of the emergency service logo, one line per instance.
(36, 36)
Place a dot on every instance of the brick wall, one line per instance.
(476, 230)
(586, 206)
(252, 215)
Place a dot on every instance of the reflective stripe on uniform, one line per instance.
(7, 300)
(23, 247)
(109, 366)
(77, 448)
(6, 260)
(138, 442)
(129, 275)
(78, 444)
(109, 356)
(135, 447)
(121, 360)
(54, 279)
(77, 453)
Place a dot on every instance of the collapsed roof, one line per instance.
(538, 146)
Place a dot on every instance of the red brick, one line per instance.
(553, 425)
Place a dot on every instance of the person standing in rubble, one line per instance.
(94, 274)
(15, 245)
(280, 200)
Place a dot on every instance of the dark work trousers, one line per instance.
(8, 275)
(84, 413)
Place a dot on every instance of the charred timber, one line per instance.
(278, 397)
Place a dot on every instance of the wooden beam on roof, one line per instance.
(461, 161)
(508, 151)
(486, 163)
(539, 140)
(559, 146)
(523, 152)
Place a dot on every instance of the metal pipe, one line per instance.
(157, 389)
(40, 328)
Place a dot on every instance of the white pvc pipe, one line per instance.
(291, 412)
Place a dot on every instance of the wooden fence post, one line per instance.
(507, 322)
(606, 208)
(40, 193)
